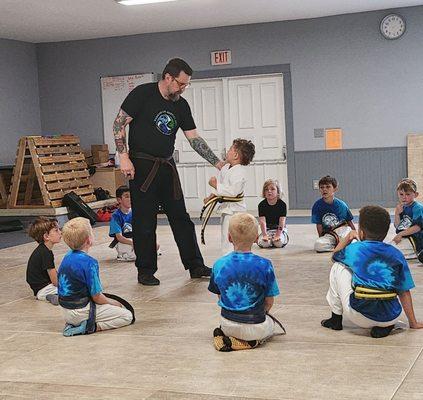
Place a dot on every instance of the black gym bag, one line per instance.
(79, 207)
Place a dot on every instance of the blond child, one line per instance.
(80, 289)
(41, 272)
(408, 221)
(246, 286)
(231, 182)
(272, 217)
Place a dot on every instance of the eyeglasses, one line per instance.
(182, 85)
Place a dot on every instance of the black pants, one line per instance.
(144, 219)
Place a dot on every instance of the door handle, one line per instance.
(176, 155)
(284, 153)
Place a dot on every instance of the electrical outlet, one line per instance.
(315, 184)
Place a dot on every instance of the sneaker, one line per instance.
(379, 332)
(410, 256)
(72, 330)
(126, 257)
(199, 272)
(148, 280)
(53, 299)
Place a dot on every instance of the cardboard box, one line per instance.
(108, 179)
(99, 147)
(100, 157)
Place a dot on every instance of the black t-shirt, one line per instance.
(272, 213)
(155, 120)
(39, 262)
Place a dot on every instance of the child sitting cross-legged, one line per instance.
(331, 215)
(121, 227)
(85, 308)
(409, 221)
(368, 277)
(41, 272)
(272, 217)
(246, 286)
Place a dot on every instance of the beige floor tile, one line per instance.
(168, 352)
(411, 388)
(52, 391)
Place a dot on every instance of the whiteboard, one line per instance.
(114, 90)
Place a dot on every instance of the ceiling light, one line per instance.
(138, 2)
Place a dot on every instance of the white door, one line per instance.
(249, 107)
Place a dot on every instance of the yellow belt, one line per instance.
(361, 292)
(210, 206)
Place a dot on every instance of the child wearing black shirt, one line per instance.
(41, 272)
(272, 217)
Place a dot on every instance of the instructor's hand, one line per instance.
(126, 166)
(220, 164)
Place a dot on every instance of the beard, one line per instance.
(174, 96)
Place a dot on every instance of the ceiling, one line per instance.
(61, 20)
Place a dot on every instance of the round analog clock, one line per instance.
(392, 26)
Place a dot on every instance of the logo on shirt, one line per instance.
(127, 227)
(330, 220)
(165, 122)
(405, 223)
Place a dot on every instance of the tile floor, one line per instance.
(168, 352)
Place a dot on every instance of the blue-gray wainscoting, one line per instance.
(365, 176)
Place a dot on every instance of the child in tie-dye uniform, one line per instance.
(409, 221)
(368, 277)
(246, 286)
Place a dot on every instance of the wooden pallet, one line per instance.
(46, 169)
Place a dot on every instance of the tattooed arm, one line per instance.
(202, 148)
(119, 133)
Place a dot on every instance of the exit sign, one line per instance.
(221, 57)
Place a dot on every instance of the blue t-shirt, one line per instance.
(243, 280)
(376, 265)
(78, 276)
(330, 215)
(412, 215)
(120, 223)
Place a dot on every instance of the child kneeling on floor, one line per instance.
(246, 286)
(367, 278)
(85, 308)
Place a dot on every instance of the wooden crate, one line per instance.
(46, 169)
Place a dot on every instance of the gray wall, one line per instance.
(19, 100)
(343, 74)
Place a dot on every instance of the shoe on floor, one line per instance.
(148, 280)
(221, 341)
(71, 330)
(126, 257)
(53, 299)
(199, 272)
(379, 332)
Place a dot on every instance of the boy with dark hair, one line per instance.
(121, 226)
(41, 272)
(409, 221)
(331, 215)
(229, 185)
(85, 308)
(367, 278)
(246, 286)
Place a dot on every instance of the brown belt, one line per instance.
(157, 161)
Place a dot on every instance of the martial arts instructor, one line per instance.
(154, 112)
